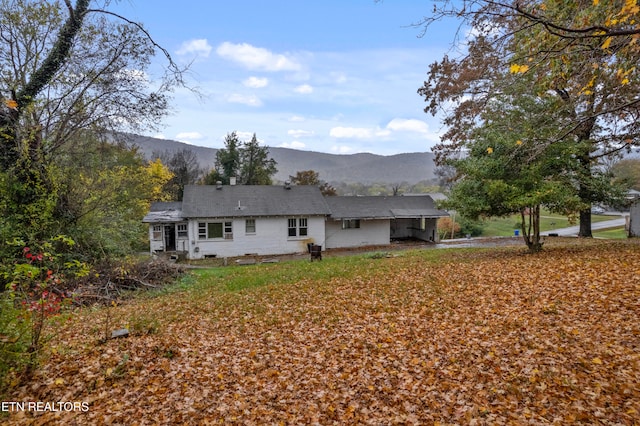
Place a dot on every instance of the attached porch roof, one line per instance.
(378, 207)
(162, 211)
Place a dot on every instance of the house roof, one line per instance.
(164, 212)
(377, 207)
(252, 201)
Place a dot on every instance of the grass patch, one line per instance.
(504, 227)
(615, 234)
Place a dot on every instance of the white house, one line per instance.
(238, 220)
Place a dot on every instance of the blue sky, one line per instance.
(336, 76)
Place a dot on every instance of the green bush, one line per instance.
(15, 338)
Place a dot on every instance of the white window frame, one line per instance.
(183, 230)
(156, 231)
(250, 226)
(226, 230)
(297, 227)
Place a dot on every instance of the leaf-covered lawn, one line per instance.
(437, 336)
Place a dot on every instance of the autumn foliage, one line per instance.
(422, 337)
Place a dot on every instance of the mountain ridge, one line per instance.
(365, 168)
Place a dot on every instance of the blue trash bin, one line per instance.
(516, 232)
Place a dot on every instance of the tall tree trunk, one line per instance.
(585, 194)
(585, 224)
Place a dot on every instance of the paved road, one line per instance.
(573, 230)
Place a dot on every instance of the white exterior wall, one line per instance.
(271, 238)
(370, 233)
(156, 245)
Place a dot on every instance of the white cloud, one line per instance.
(256, 58)
(189, 136)
(350, 132)
(357, 132)
(200, 47)
(159, 136)
(292, 145)
(256, 82)
(304, 89)
(247, 136)
(296, 119)
(300, 133)
(338, 77)
(395, 125)
(341, 149)
(250, 100)
(411, 125)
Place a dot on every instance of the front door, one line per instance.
(170, 237)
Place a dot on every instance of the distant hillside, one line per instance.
(333, 168)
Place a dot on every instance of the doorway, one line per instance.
(170, 237)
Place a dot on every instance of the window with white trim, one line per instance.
(228, 230)
(250, 226)
(297, 227)
(157, 232)
(182, 230)
(213, 230)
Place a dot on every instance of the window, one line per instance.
(211, 230)
(182, 230)
(250, 226)
(214, 230)
(298, 227)
(157, 232)
(350, 223)
(228, 230)
(293, 228)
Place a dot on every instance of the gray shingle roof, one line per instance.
(256, 201)
(377, 207)
(252, 201)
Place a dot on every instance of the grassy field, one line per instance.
(450, 336)
(504, 227)
(613, 233)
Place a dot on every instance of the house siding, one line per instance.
(270, 238)
(370, 233)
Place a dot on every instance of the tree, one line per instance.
(248, 162)
(184, 166)
(311, 177)
(306, 177)
(504, 171)
(256, 166)
(66, 71)
(589, 69)
(104, 192)
(228, 159)
(627, 172)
